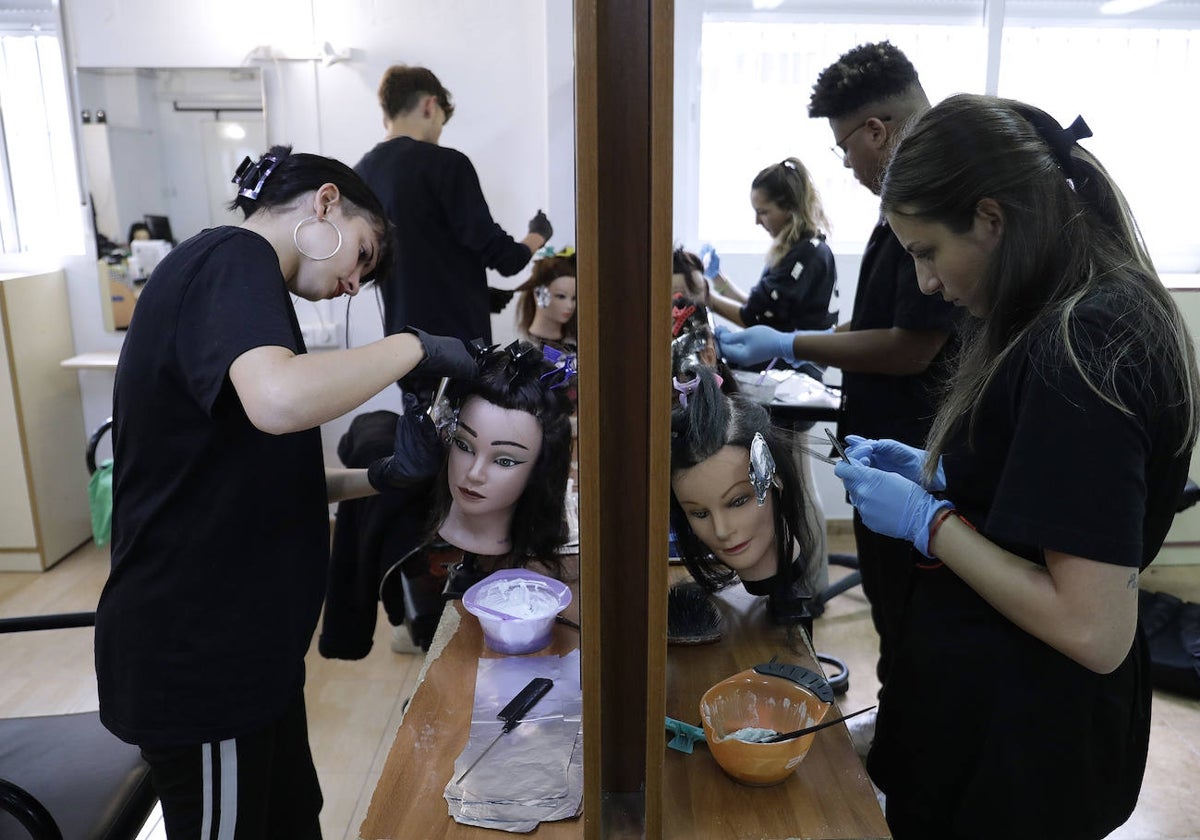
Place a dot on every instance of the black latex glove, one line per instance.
(417, 451)
(444, 356)
(499, 298)
(540, 225)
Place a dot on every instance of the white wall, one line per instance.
(506, 64)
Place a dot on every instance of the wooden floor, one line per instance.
(355, 707)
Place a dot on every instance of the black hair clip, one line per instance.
(480, 349)
(250, 176)
(564, 367)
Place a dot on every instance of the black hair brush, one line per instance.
(692, 617)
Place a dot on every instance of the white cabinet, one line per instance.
(44, 512)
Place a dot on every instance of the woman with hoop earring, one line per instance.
(220, 516)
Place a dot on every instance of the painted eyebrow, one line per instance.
(473, 433)
(724, 496)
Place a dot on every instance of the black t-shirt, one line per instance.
(445, 235)
(797, 293)
(220, 531)
(880, 405)
(1053, 466)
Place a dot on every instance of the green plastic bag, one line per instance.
(100, 499)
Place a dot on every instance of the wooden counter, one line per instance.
(408, 801)
(829, 796)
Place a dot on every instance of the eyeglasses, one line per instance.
(838, 149)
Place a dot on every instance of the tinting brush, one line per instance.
(692, 617)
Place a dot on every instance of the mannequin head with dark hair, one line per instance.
(725, 531)
(501, 490)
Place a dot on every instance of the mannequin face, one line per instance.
(718, 500)
(562, 299)
(491, 458)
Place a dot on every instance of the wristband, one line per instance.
(937, 523)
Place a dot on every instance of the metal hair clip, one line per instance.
(249, 172)
(762, 468)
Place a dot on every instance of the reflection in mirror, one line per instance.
(139, 126)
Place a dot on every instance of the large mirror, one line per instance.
(160, 146)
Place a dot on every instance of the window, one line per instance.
(744, 104)
(39, 209)
(756, 81)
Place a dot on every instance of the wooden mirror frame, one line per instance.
(623, 53)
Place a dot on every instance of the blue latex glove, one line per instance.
(711, 261)
(894, 456)
(890, 504)
(753, 345)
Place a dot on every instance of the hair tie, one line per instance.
(250, 176)
(1059, 139)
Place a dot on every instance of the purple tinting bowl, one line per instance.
(516, 609)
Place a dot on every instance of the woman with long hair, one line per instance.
(1052, 474)
(798, 286)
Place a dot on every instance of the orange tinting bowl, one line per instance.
(751, 699)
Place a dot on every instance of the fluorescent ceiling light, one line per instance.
(1121, 7)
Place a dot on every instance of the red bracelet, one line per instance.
(942, 517)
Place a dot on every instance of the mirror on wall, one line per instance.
(159, 147)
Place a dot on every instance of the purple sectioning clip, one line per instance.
(564, 366)
(762, 468)
(685, 388)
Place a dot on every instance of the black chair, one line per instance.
(66, 777)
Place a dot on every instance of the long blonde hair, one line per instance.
(788, 185)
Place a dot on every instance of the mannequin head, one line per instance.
(687, 275)
(722, 532)
(546, 308)
(503, 483)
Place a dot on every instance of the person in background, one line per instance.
(893, 352)
(1053, 472)
(138, 230)
(220, 534)
(445, 232)
(798, 286)
(546, 314)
